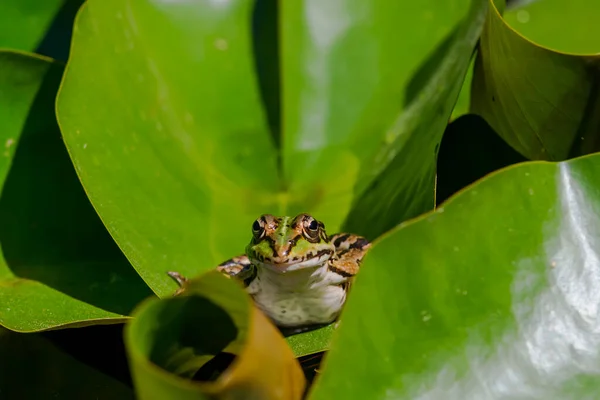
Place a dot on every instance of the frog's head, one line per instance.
(285, 244)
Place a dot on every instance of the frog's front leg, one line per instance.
(180, 279)
(349, 252)
(237, 267)
(240, 268)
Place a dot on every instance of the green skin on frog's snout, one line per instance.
(296, 274)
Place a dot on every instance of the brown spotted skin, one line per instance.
(297, 274)
(239, 267)
(349, 252)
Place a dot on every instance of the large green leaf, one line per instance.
(161, 114)
(170, 106)
(494, 295)
(58, 264)
(364, 111)
(23, 23)
(32, 368)
(544, 103)
(171, 140)
(172, 340)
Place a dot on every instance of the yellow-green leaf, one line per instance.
(170, 340)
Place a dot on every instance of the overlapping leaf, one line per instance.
(364, 111)
(59, 266)
(23, 23)
(399, 182)
(494, 295)
(176, 149)
(170, 107)
(543, 102)
(172, 339)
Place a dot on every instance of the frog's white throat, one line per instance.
(293, 266)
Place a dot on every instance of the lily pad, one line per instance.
(178, 180)
(363, 112)
(170, 340)
(490, 296)
(167, 132)
(541, 101)
(59, 266)
(398, 182)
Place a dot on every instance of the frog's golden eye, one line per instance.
(257, 228)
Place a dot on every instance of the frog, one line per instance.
(296, 274)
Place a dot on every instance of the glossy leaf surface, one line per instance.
(172, 339)
(494, 295)
(551, 115)
(33, 368)
(363, 112)
(59, 266)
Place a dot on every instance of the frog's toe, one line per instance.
(180, 279)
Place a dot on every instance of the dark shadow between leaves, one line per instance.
(192, 329)
(57, 41)
(100, 346)
(265, 42)
(33, 368)
(587, 138)
(470, 149)
(49, 232)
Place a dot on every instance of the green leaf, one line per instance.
(464, 97)
(157, 96)
(168, 136)
(397, 181)
(311, 342)
(542, 102)
(171, 340)
(33, 368)
(538, 20)
(59, 266)
(494, 295)
(23, 23)
(175, 147)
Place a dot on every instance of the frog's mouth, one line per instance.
(284, 264)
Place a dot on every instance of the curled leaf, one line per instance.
(543, 102)
(175, 339)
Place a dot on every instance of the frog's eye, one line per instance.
(311, 228)
(257, 228)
